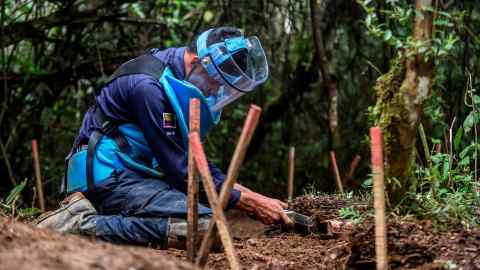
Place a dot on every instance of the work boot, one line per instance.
(177, 233)
(75, 215)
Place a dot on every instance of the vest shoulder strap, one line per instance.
(145, 64)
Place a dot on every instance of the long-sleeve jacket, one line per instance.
(141, 100)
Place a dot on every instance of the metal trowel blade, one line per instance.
(299, 219)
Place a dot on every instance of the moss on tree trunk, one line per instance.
(391, 114)
(400, 97)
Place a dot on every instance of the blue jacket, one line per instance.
(141, 100)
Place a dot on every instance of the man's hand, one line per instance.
(265, 209)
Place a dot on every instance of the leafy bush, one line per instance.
(352, 214)
(447, 187)
(9, 203)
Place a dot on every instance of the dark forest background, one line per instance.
(55, 53)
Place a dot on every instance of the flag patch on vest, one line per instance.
(169, 120)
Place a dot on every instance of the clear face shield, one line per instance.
(238, 64)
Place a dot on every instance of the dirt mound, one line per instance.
(413, 244)
(289, 251)
(325, 207)
(25, 247)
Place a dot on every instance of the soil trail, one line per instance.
(25, 247)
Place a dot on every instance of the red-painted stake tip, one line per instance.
(377, 145)
(376, 135)
(195, 101)
(34, 145)
(255, 107)
(197, 151)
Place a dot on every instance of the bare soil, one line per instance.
(412, 244)
(25, 247)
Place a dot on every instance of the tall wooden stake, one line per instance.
(38, 176)
(291, 172)
(379, 198)
(351, 170)
(218, 215)
(232, 174)
(192, 200)
(336, 172)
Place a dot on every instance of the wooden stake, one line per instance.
(426, 149)
(336, 172)
(192, 200)
(379, 198)
(291, 172)
(38, 176)
(218, 215)
(438, 148)
(233, 171)
(352, 169)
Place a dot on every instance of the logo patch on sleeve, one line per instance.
(169, 120)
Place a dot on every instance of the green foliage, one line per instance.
(14, 194)
(9, 203)
(455, 203)
(52, 73)
(398, 32)
(390, 112)
(472, 101)
(448, 264)
(447, 191)
(28, 212)
(368, 183)
(351, 214)
(445, 185)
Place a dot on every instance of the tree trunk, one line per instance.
(329, 84)
(401, 94)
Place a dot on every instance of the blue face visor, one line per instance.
(238, 64)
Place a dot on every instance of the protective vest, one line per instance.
(117, 146)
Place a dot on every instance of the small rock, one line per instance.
(252, 242)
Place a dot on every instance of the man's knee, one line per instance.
(154, 232)
(177, 232)
(144, 231)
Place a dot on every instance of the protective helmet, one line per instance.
(238, 64)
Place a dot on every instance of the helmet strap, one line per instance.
(195, 63)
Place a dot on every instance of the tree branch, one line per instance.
(7, 163)
(90, 67)
(35, 29)
(278, 108)
(324, 69)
